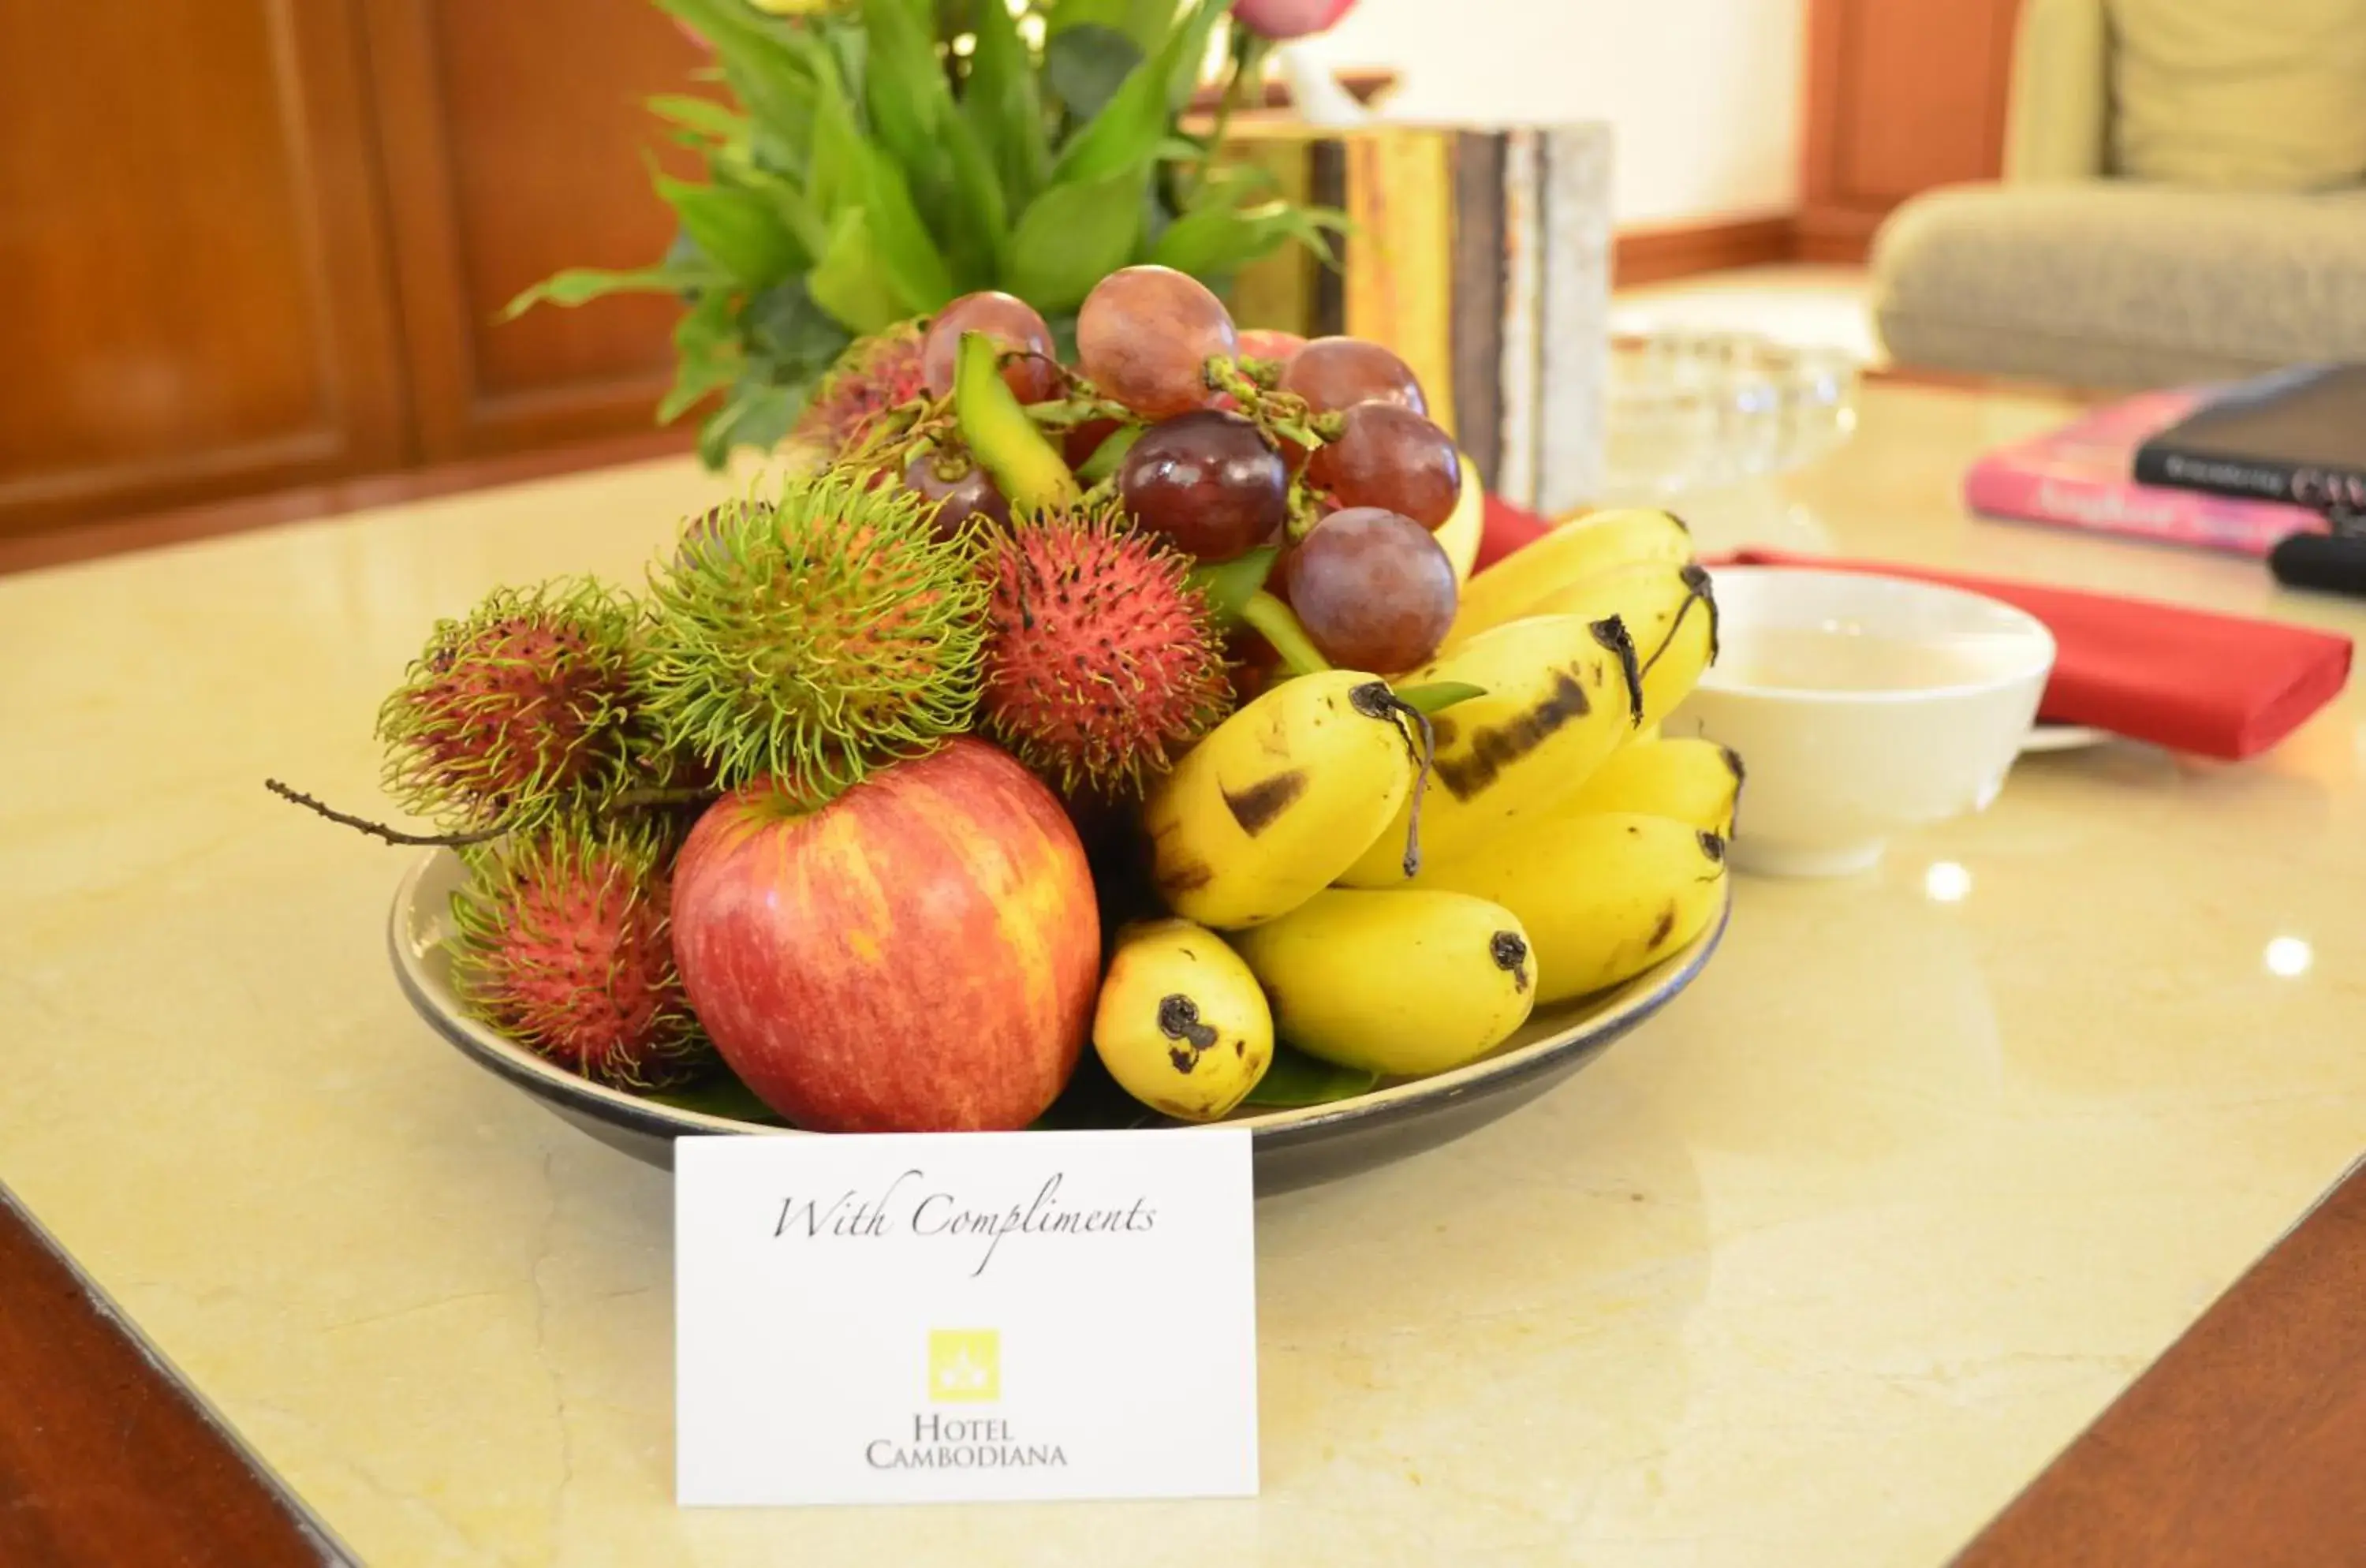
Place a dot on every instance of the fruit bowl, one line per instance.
(1294, 1147)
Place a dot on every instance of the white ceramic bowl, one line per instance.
(1861, 706)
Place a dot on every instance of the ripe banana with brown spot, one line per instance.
(1270, 807)
(1684, 778)
(1181, 1023)
(1584, 548)
(1402, 984)
(1602, 898)
(1558, 694)
(1669, 608)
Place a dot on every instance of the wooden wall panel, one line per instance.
(192, 288)
(514, 138)
(1902, 95)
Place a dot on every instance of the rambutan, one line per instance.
(811, 640)
(873, 375)
(563, 944)
(523, 706)
(1101, 659)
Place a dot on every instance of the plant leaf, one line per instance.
(981, 247)
(1143, 21)
(1085, 65)
(706, 355)
(1004, 102)
(916, 268)
(1074, 235)
(848, 281)
(1297, 1079)
(903, 87)
(768, 64)
(792, 336)
(739, 228)
(703, 115)
(1127, 132)
(580, 285)
(839, 154)
(1216, 239)
(1439, 696)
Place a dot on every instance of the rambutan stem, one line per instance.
(395, 836)
(629, 800)
(1278, 625)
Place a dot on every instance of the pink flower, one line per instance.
(1288, 19)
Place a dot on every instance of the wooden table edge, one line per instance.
(109, 1454)
(2243, 1445)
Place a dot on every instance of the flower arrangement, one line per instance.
(871, 159)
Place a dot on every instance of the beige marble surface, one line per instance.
(1816, 1269)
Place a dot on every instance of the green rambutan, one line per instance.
(522, 707)
(1101, 659)
(562, 944)
(873, 375)
(811, 640)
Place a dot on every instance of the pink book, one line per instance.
(2078, 476)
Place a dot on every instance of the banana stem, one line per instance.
(1274, 621)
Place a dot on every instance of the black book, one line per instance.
(2295, 436)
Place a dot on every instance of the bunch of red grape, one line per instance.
(1209, 469)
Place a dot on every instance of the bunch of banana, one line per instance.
(1399, 903)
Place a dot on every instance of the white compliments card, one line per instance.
(965, 1317)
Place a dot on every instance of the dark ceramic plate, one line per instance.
(1294, 1147)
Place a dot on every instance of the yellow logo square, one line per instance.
(964, 1364)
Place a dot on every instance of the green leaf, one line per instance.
(768, 64)
(840, 156)
(794, 338)
(580, 285)
(757, 415)
(739, 228)
(904, 85)
(1186, 51)
(1297, 1079)
(1144, 22)
(1085, 65)
(706, 354)
(720, 1095)
(1003, 103)
(1127, 133)
(704, 115)
(1218, 239)
(786, 198)
(1074, 235)
(916, 268)
(850, 281)
(981, 246)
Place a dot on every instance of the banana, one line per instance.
(1685, 779)
(1583, 548)
(1402, 984)
(1602, 898)
(1669, 611)
(1277, 800)
(1180, 1023)
(1558, 694)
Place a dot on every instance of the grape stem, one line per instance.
(1274, 621)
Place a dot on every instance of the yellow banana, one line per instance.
(1459, 535)
(1685, 779)
(1669, 611)
(1583, 548)
(1402, 984)
(1602, 898)
(1280, 799)
(1181, 1024)
(1558, 695)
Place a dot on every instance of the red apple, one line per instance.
(921, 954)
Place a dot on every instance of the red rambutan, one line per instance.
(873, 375)
(1100, 659)
(563, 944)
(522, 707)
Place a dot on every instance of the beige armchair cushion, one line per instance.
(2239, 95)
